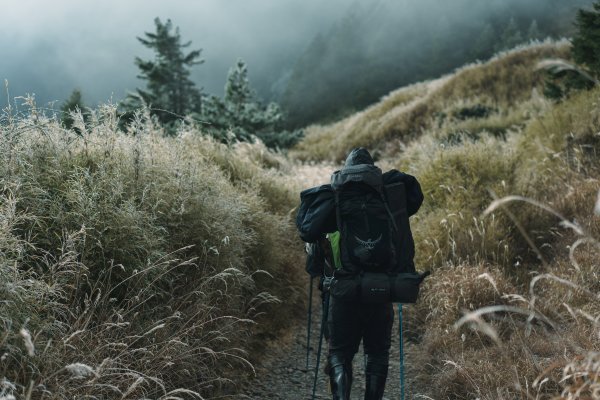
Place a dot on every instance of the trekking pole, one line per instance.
(308, 323)
(401, 351)
(323, 322)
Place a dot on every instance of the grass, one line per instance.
(529, 329)
(137, 265)
(512, 309)
(143, 266)
(503, 82)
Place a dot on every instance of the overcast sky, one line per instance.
(51, 47)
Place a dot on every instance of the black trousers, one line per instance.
(351, 322)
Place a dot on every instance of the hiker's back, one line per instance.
(364, 213)
(372, 220)
(366, 232)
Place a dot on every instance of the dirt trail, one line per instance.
(309, 175)
(283, 374)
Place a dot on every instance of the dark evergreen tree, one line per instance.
(484, 45)
(511, 36)
(169, 92)
(240, 115)
(533, 33)
(73, 103)
(238, 94)
(565, 77)
(586, 42)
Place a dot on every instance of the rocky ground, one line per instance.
(284, 375)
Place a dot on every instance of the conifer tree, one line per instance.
(169, 91)
(586, 43)
(239, 113)
(73, 103)
(238, 93)
(533, 33)
(511, 36)
(565, 77)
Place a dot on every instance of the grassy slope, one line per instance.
(517, 255)
(404, 114)
(138, 266)
(102, 293)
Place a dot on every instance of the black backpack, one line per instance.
(372, 223)
(368, 228)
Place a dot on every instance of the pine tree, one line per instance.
(170, 93)
(511, 36)
(239, 113)
(237, 89)
(484, 45)
(565, 77)
(248, 115)
(586, 43)
(533, 33)
(73, 103)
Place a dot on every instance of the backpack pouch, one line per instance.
(405, 287)
(383, 288)
(345, 289)
(375, 288)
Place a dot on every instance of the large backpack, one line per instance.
(368, 227)
(369, 231)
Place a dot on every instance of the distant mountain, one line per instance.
(376, 48)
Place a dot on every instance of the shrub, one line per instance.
(458, 184)
(530, 320)
(134, 265)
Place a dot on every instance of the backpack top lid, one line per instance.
(359, 155)
(359, 167)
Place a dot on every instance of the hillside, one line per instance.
(507, 226)
(476, 98)
(381, 45)
(140, 265)
(137, 265)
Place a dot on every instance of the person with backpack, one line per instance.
(363, 216)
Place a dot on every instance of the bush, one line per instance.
(459, 182)
(133, 265)
(475, 111)
(526, 286)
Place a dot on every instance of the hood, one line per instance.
(358, 156)
(363, 173)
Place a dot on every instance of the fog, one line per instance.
(375, 49)
(49, 48)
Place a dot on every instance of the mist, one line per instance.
(50, 48)
(377, 47)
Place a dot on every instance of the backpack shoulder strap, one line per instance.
(396, 193)
(389, 212)
(338, 214)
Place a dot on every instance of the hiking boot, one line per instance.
(340, 378)
(375, 385)
(376, 375)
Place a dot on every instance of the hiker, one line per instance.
(363, 216)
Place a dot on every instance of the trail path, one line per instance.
(283, 374)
